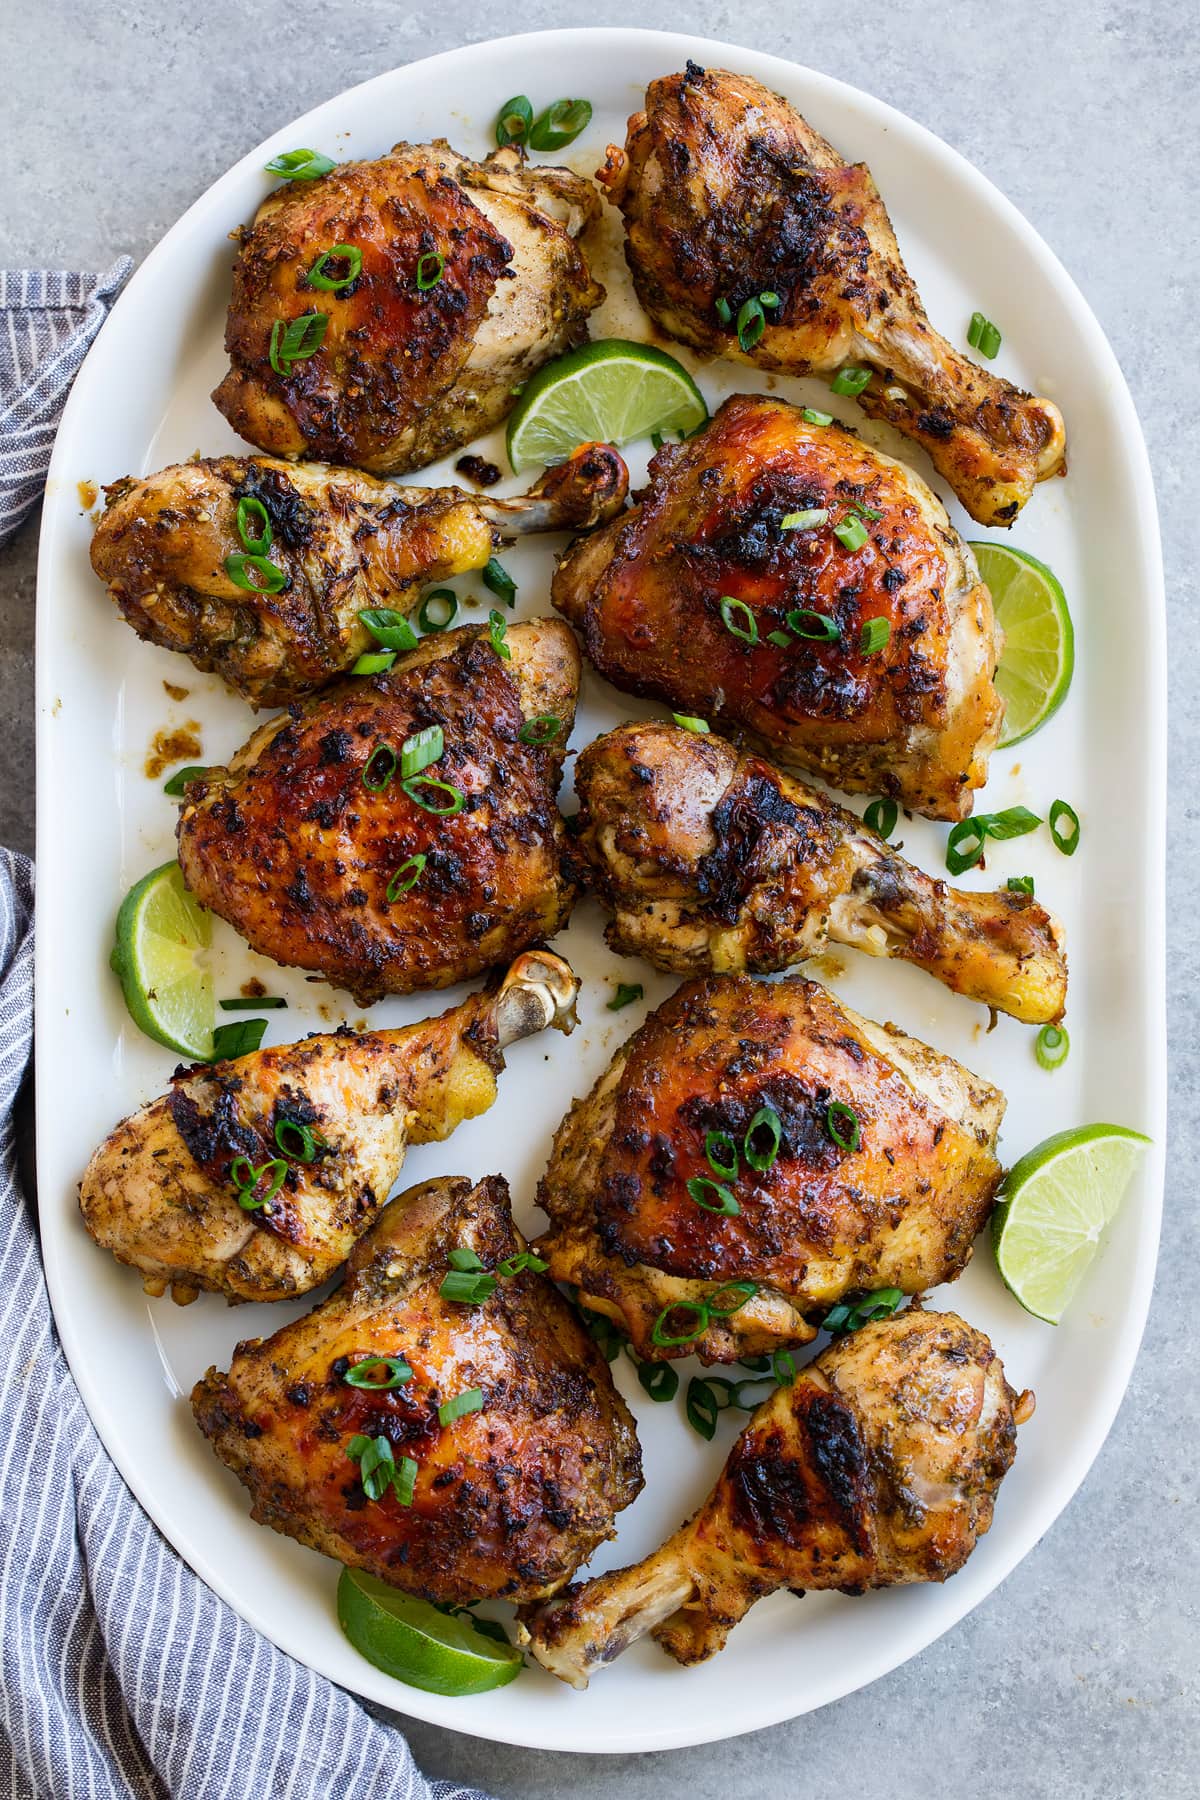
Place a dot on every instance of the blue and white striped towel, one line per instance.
(120, 1673)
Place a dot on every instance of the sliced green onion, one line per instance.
(456, 801)
(379, 768)
(541, 730)
(464, 1258)
(760, 1364)
(627, 992)
(812, 416)
(783, 1367)
(498, 581)
(252, 514)
(560, 124)
(603, 1331)
(780, 639)
(964, 846)
(659, 438)
(296, 340)
(268, 1002)
(1052, 1046)
(742, 1291)
(373, 662)
(389, 627)
(444, 599)
(467, 1289)
(308, 1141)
(850, 380)
(1066, 841)
(659, 1334)
(722, 1154)
(804, 521)
(865, 512)
(404, 1481)
(406, 876)
(724, 1205)
(421, 749)
(688, 722)
(876, 635)
(376, 1463)
(751, 323)
(851, 534)
(983, 336)
(723, 310)
(268, 577)
(497, 631)
(804, 623)
(430, 269)
(238, 1039)
(517, 1265)
(767, 1120)
(660, 1380)
(181, 777)
(770, 299)
(469, 1402)
(299, 165)
(728, 607)
(880, 817)
(851, 1315)
(365, 1374)
(841, 1122)
(514, 120)
(1020, 884)
(247, 1180)
(702, 1407)
(319, 277)
(1014, 822)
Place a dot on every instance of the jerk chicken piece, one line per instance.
(506, 1499)
(253, 1178)
(727, 194)
(341, 541)
(727, 592)
(317, 849)
(711, 860)
(755, 1153)
(388, 312)
(880, 1465)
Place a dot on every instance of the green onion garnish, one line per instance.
(804, 623)
(246, 1178)
(299, 165)
(1052, 1046)
(268, 577)
(1066, 841)
(780, 639)
(725, 1205)
(698, 1309)
(723, 310)
(1020, 884)
(268, 1002)
(1014, 822)
(373, 662)
(880, 817)
(964, 846)
(876, 635)
(421, 749)
(296, 340)
(742, 1291)
(498, 581)
(389, 627)
(851, 534)
(181, 777)
(497, 631)
(365, 1374)
(603, 1331)
(238, 1039)
(430, 269)
(751, 323)
(783, 1367)
(728, 607)
(841, 1122)
(379, 768)
(811, 416)
(319, 277)
(804, 521)
(760, 1364)
(722, 1154)
(404, 1481)
(469, 1402)
(253, 525)
(660, 1380)
(464, 1258)
(455, 802)
(307, 1141)
(406, 876)
(560, 124)
(517, 1265)
(702, 1407)
(512, 125)
(865, 512)
(467, 1289)
(766, 1122)
(770, 299)
(688, 722)
(540, 730)
(627, 992)
(850, 380)
(446, 602)
(851, 1315)
(659, 438)
(983, 336)
(376, 1463)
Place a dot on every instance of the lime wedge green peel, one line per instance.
(607, 392)
(161, 933)
(414, 1642)
(1039, 648)
(1054, 1207)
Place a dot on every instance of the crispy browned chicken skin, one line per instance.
(879, 1466)
(651, 593)
(712, 860)
(343, 541)
(508, 1500)
(727, 194)
(292, 847)
(471, 278)
(161, 1193)
(896, 1203)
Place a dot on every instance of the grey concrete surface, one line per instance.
(1079, 1677)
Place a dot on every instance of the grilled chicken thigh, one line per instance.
(505, 1500)
(314, 846)
(728, 195)
(253, 1178)
(341, 541)
(755, 1153)
(727, 592)
(432, 286)
(712, 860)
(880, 1465)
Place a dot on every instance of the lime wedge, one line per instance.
(607, 392)
(1039, 640)
(414, 1642)
(1055, 1204)
(160, 933)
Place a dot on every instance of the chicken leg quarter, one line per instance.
(879, 1466)
(728, 194)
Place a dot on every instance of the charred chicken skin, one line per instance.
(506, 1500)
(879, 1466)
(755, 1153)
(316, 848)
(727, 194)
(342, 541)
(710, 860)
(384, 314)
(174, 1192)
(726, 592)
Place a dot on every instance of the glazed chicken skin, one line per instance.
(462, 279)
(726, 593)
(712, 860)
(728, 194)
(330, 1118)
(507, 1500)
(878, 1169)
(343, 541)
(879, 1466)
(312, 845)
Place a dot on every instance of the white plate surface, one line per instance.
(142, 401)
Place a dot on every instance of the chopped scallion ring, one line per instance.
(253, 525)
(467, 1288)
(983, 336)
(688, 722)
(179, 780)
(697, 1309)
(497, 631)
(307, 1141)
(812, 416)
(560, 124)
(841, 1122)
(264, 1002)
(515, 118)
(379, 768)
(364, 1374)
(517, 1265)
(445, 601)
(742, 1292)
(457, 799)
(464, 1258)
(469, 1402)
(804, 521)
(296, 340)
(783, 1367)
(804, 623)
(421, 750)
(766, 1122)
(1052, 1046)
(498, 581)
(255, 574)
(1013, 822)
(299, 165)
(246, 1179)
(404, 1481)
(389, 628)
(880, 817)
(1020, 884)
(722, 1154)
(1067, 841)
(699, 1187)
(319, 277)
(751, 323)
(728, 608)
(850, 380)
(702, 1407)
(627, 992)
(236, 1039)
(852, 1315)
(780, 639)
(723, 310)
(964, 846)
(430, 269)
(851, 534)
(660, 1380)
(876, 636)
(373, 662)
(541, 730)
